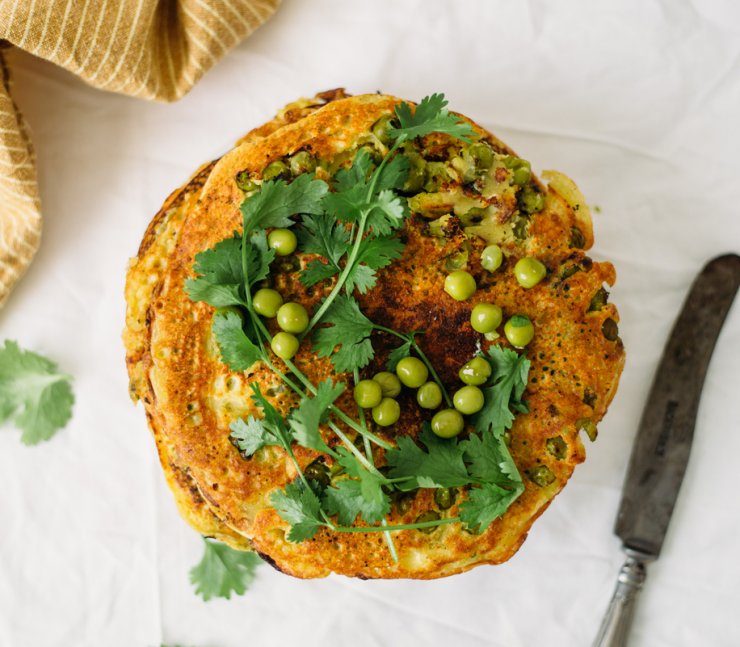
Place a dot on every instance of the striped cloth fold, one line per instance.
(153, 49)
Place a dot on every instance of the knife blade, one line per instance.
(662, 446)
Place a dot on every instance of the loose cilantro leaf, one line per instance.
(440, 466)
(430, 116)
(219, 281)
(251, 435)
(361, 494)
(489, 459)
(311, 412)
(238, 351)
(301, 508)
(277, 201)
(487, 503)
(510, 372)
(223, 571)
(32, 388)
(350, 330)
(397, 354)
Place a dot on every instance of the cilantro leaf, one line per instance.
(32, 388)
(219, 281)
(361, 494)
(251, 435)
(510, 372)
(259, 257)
(238, 351)
(393, 175)
(223, 571)
(350, 330)
(489, 459)
(440, 466)
(277, 201)
(323, 235)
(387, 212)
(350, 194)
(397, 354)
(487, 503)
(374, 253)
(311, 412)
(431, 116)
(350, 497)
(301, 508)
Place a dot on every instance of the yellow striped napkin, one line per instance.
(153, 49)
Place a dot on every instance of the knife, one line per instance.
(661, 449)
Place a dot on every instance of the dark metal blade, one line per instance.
(661, 449)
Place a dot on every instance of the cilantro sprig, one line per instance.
(33, 393)
(223, 571)
(351, 225)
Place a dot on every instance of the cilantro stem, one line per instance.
(403, 526)
(358, 454)
(352, 257)
(369, 454)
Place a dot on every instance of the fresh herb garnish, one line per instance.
(352, 227)
(223, 571)
(33, 393)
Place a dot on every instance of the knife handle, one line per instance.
(618, 619)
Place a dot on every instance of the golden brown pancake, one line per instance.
(191, 396)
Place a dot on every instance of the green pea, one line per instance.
(522, 175)
(577, 239)
(491, 258)
(390, 385)
(284, 345)
(283, 241)
(468, 400)
(519, 331)
(430, 515)
(491, 336)
(482, 154)
(445, 497)
(475, 372)
(277, 170)
(599, 300)
(292, 317)
(473, 216)
(529, 271)
(541, 475)
(486, 317)
(447, 423)
(368, 394)
(404, 501)
(460, 285)
(416, 175)
(429, 395)
(610, 329)
(318, 471)
(557, 447)
(412, 372)
(387, 412)
(302, 162)
(266, 302)
(381, 128)
(531, 200)
(244, 182)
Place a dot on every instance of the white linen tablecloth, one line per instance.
(638, 101)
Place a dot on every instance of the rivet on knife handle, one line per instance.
(661, 449)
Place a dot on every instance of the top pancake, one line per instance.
(192, 396)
